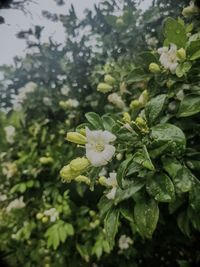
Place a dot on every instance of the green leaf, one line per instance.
(142, 158)
(146, 214)
(111, 225)
(175, 32)
(127, 212)
(83, 252)
(189, 106)
(193, 49)
(182, 177)
(183, 223)
(161, 188)
(154, 107)
(122, 170)
(108, 122)
(171, 166)
(183, 180)
(195, 56)
(94, 119)
(194, 197)
(104, 205)
(183, 68)
(131, 189)
(171, 134)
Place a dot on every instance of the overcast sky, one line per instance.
(16, 20)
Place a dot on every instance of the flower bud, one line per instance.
(82, 131)
(62, 104)
(76, 138)
(120, 23)
(135, 104)
(104, 88)
(45, 219)
(140, 122)
(92, 213)
(169, 83)
(109, 79)
(154, 68)
(82, 179)
(46, 160)
(190, 10)
(61, 131)
(67, 174)
(119, 156)
(39, 216)
(126, 117)
(181, 54)
(79, 164)
(102, 180)
(143, 99)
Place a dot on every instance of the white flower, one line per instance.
(168, 57)
(151, 41)
(98, 150)
(111, 181)
(52, 214)
(65, 90)
(9, 169)
(116, 100)
(72, 103)
(17, 106)
(47, 101)
(10, 133)
(3, 197)
(23, 91)
(125, 242)
(18, 203)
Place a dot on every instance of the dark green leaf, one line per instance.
(161, 188)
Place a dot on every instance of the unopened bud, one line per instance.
(79, 164)
(82, 179)
(126, 117)
(45, 219)
(154, 68)
(76, 138)
(46, 160)
(143, 99)
(181, 54)
(109, 79)
(39, 216)
(104, 88)
(140, 122)
(190, 10)
(120, 23)
(119, 156)
(82, 131)
(67, 174)
(135, 104)
(63, 104)
(102, 180)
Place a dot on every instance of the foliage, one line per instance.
(136, 202)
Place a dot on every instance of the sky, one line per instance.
(17, 20)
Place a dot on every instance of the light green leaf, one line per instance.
(175, 32)
(108, 122)
(94, 119)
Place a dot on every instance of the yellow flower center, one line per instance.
(99, 147)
